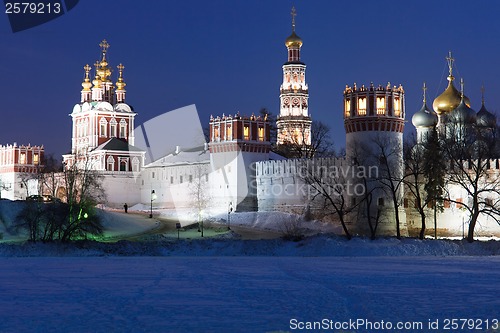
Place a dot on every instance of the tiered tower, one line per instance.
(293, 121)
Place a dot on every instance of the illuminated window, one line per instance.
(246, 132)
(361, 106)
(397, 107)
(261, 133)
(216, 134)
(347, 108)
(228, 132)
(459, 203)
(22, 158)
(35, 159)
(380, 105)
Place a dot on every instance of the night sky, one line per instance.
(226, 56)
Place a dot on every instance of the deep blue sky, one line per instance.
(226, 56)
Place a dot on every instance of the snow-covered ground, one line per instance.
(246, 294)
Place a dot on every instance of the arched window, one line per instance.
(123, 129)
(112, 127)
(102, 127)
(110, 164)
(380, 105)
(135, 164)
(361, 106)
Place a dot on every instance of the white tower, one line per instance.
(294, 122)
(374, 120)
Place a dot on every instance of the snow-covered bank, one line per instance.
(315, 246)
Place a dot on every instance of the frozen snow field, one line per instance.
(246, 293)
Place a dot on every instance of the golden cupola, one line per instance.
(120, 84)
(450, 99)
(293, 41)
(86, 84)
(97, 79)
(104, 70)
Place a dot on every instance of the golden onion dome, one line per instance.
(86, 84)
(120, 84)
(449, 100)
(293, 40)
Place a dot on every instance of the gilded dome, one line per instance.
(425, 117)
(449, 100)
(293, 40)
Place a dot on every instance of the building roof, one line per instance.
(117, 145)
(195, 155)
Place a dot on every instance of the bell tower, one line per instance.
(293, 121)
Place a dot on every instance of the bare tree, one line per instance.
(469, 152)
(321, 144)
(199, 192)
(367, 210)
(49, 180)
(424, 175)
(391, 178)
(330, 189)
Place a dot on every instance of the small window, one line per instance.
(397, 107)
(261, 133)
(171, 179)
(246, 132)
(190, 178)
(362, 106)
(22, 158)
(35, 159)
(380, 201)
(180, 179)
(347, 108)
(153, 174)
(380, 105)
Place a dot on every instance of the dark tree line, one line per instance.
(75, 216)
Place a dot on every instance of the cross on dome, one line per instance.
(293, 13)
(450, 61)
(104, 46)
